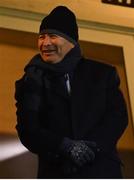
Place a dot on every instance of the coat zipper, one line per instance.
(68, 86)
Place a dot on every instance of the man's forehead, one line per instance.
(49, 34)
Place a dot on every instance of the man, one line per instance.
(70, 111)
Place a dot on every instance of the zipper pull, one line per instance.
(68, 83)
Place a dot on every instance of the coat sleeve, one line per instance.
(115, 118)
(32, 135)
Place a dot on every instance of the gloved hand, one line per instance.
(78, 151)
(33, 88)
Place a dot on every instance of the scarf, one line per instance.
(67, 65)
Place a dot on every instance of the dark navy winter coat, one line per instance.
(95, 111)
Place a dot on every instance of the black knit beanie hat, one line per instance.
(61, 21)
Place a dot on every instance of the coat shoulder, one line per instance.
(96, 69)
(96, 65)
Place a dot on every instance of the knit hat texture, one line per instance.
(61, 21)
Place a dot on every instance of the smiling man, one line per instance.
(70, 110)
(53, 47)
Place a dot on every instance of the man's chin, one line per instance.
(50, 59)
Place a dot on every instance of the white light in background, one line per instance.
(11, 149)
(128, 1)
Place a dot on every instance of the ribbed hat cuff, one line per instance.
(54, 31)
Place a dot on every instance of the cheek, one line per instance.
(60, 52)
(64, 50)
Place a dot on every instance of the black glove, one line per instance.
(33, 88)
(78, 151)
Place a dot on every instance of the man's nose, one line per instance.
(47, 40)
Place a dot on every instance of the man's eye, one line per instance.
(41, 37)
(53, 35)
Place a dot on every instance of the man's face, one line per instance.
(53, 48)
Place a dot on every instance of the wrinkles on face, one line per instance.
(47, 51)
(53, 48)
(47, 48)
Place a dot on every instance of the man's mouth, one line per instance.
(48, 51)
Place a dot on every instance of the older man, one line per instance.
(70, 110)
